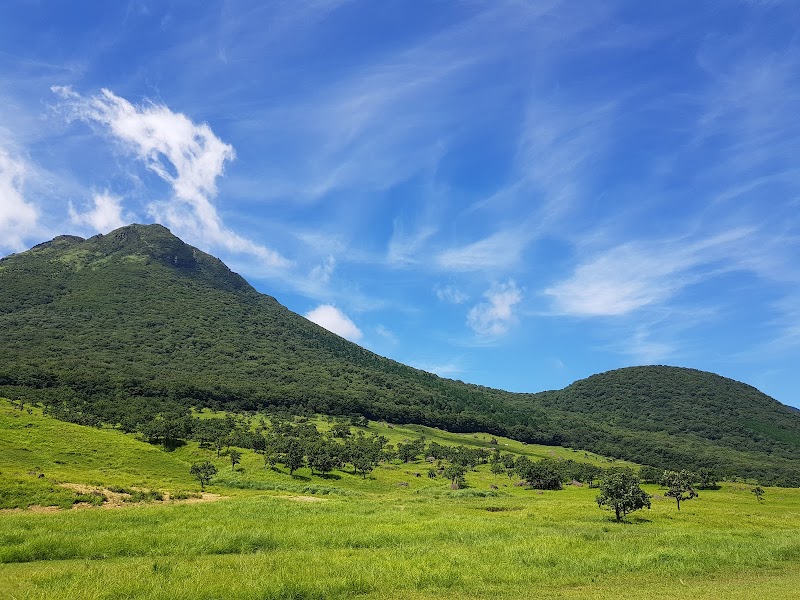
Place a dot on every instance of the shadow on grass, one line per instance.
(630, 521)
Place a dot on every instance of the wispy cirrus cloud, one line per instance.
(500, 250)
(405, 248)
(386, 334)
(186, 155)
(633, 275)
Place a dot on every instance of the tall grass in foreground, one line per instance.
(402, 546)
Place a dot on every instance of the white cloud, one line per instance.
(322, 273)
(441, 369)
(404, 248)
(105, 216)
(493, 318)
(187, 155)
(386, 334)
(646, 350)
(334, 320)
(499, 250)
(18, 217)
(451, 294)
(637, 274)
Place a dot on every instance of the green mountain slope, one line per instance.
(118, 328)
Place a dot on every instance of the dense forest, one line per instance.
(133, 326)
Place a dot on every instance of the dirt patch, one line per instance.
(305, 499)
(43, 509)
(205, 497)
(37, 508)
(117, 499)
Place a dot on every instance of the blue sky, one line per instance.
(515, 194)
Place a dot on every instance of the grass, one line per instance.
(277, 536)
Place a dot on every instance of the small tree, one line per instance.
(759, 492)
(620, 492)
(323, 456)
(236, 458)
(273, 444)
(707, 480)
(496, 465)
(340, 430)
(680, 485)
(455, 473)
(203, 471)
(294, 457)
(650, 474)
(364, 453)
(541, 474)
(410, 451)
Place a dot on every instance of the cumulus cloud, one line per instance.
(104, 216)
(186, 155)
(17, 216)
(493, 318)
(335, 321)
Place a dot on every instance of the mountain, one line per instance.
(118, 328)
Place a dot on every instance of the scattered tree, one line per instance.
(680, 485)
(341, 430)
(294, 457)
(650, 474)
(620, 492)
(455, 473)
(759, 492)
(410, 451)
(236, 458)
(272, 447)
(707, 480)
(364, 453)
(496, 465)
(203, 471)
(215, 431)
(540, 474)
(323, 456)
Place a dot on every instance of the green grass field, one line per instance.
(393, 535)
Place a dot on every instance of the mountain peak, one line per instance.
(136, 243)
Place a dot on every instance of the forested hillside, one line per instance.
(120, 328)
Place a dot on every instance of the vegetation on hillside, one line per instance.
(135, 328)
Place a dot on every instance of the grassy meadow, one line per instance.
(391, 535)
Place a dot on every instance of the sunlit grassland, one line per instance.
(374, 537)
(32, 443)
(407, 545)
